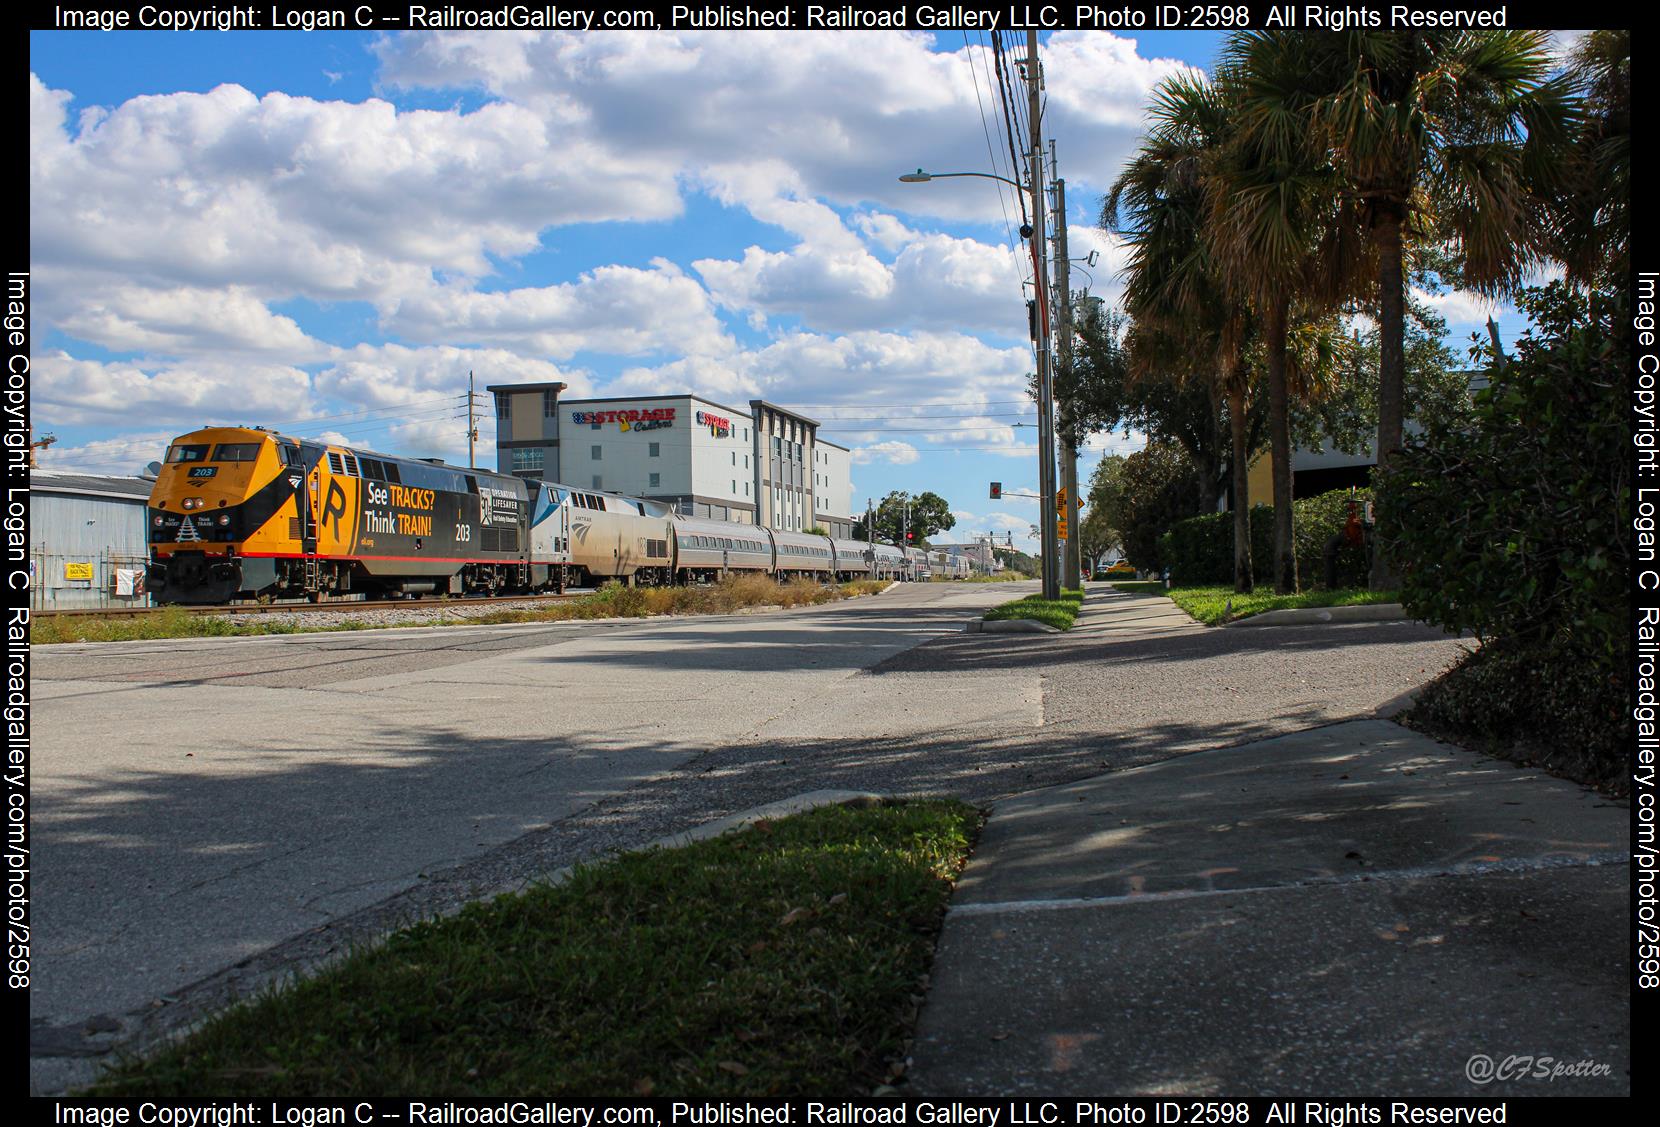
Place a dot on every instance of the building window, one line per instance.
(597, 484)
(527, 459)
(653, 451)
(550, 405)
(734, 457)
(734, 487)
(504, 407)
(746, 461)
(656, 480)
(594, 452)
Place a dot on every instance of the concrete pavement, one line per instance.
(1345, 911)
(198, 802)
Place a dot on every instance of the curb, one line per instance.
(1009, 626)
(1017, 626)
(1313, 616)
(1397, 704)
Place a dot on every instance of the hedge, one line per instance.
(1200, 549)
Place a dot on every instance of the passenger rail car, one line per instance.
(240, 512)
(854, 559)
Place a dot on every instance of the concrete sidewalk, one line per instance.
(1348, 911)
(1108, 613)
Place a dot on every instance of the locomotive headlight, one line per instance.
(157, 522)
(224, 519)
(192, 502)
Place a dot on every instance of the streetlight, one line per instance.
(1046, 387)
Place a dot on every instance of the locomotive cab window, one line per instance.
(187, 453)
(236, 452)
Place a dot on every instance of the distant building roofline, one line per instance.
(740, 411)
(554, 386)
(101, 485)
(782, 410)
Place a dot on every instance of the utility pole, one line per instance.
(1071, 568)
(870, 533)
(1040, 283)
(472, 420)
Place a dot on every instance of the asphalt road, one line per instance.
(212, 813)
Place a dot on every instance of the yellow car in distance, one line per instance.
(1123, 569)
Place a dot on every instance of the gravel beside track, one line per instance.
(425, 613)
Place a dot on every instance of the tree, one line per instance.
(1110, 391)
(1096, 537)
(1187, 325)
(1435, 136)
(1592, 212)
(929, 514)
(1290, 244)
(1143, 495)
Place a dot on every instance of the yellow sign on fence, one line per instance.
(73, 570)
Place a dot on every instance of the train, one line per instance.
(246, 513)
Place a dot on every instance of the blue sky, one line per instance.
(326, 231)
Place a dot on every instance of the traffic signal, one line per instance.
(909, 535)
(997, 491)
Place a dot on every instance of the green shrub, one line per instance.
(1515, 529)
(1200, 549)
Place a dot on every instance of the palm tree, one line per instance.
(1437, 136)
(1291, 244)
(1184, 318)
(1593, 206)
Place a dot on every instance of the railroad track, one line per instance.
(300, 605)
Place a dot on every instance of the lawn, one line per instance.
(1212, 605)
(785, 959)
(1059, 613)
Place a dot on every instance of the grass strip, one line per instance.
(1210, 605)
(782, 960)
(1059, 613)
(611, 601)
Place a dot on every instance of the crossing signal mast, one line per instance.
(997, 491)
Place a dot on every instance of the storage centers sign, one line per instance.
(653, 418)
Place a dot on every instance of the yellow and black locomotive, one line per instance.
(243, 512)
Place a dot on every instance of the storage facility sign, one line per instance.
(719, 425)
(651, 418)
